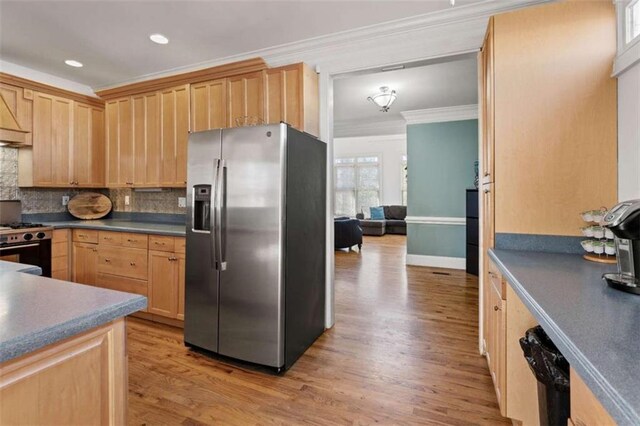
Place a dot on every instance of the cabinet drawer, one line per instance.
(60, 235)
(129, 285)
(110, 238)
(123, 262)
(135, 240)
(180, 245)
(161, 243)
(495, 276)
(85, 235)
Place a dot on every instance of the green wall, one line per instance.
(440, 159)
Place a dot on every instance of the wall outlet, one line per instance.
(127, 200)
(65, 200)
(182, 202)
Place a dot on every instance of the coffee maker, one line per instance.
(624, 221)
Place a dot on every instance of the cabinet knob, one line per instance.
(132, 263)
(108, 260)
(496, 308)
(487, 190)
(486, 174)
(131, 241)
(94, 250)
(158, 244)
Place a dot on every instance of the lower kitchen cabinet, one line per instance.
(60, 254)
(506, 319)
(166, 284)
(586, 410)
(85, 263)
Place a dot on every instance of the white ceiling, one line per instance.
(431, 86)
(111, 37)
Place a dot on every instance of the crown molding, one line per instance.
(329, 51)
(51, 90)
(399, 137)
(440, 115)
(360, 128)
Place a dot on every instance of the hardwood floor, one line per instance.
(403, 351)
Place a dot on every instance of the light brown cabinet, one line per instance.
(146, 139)
(20, 103)
(119, 141)
(85, 263)
(60, 254)
(167, 277)
(52, 135)
(586, 410)
(292, 96)
(88, 146)
(174, 118)
(495, 338)
(245, 99)
(209, 105)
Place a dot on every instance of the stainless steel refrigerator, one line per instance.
(255, 266)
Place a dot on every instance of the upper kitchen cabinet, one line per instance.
(552, 123)
(52, 140)
(20, 103)
(245, 99)
(174, 118)
(119, 138)
(88, 146)
(209, 105)
(292, 96)
(146, 139)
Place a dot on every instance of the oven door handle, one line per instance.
(19, 247)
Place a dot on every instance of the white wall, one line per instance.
(629, 134)
(391, 148)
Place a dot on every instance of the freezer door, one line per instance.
(202, 278)
(251, 291)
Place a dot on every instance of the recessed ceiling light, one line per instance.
(73, 63)
(159, 38)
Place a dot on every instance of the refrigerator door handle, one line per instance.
(221, 213)
(213, 213)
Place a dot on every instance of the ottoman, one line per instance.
(372, 227)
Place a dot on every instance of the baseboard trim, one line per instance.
(437, 261)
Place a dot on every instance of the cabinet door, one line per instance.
(284, 96)
(181, 281)
(245, 95)
(146, 139)
(85, 263)
(499, 349)
(175, 134)
(163, 286)
(209, 105)
(88, 146)
(488, 107)
(120, 155)
(52, 140)
(20, 103)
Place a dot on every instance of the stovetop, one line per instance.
(20, 225)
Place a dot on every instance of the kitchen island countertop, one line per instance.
(594, 326)
(37, 311)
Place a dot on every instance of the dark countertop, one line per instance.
(595, 327)
(176, 230)
(37, 311)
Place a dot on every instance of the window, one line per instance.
(632, 13)
(403, 180)
(357, 184)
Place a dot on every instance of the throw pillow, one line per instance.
(377, 213)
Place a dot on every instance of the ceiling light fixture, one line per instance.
(159, 38)
(452, 2)
(73, 63)
(384, 99)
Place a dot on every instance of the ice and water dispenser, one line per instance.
(202, 208)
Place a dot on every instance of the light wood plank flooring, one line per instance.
(403, 351)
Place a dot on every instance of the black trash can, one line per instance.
(552, 372)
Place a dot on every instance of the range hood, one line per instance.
(10, 131)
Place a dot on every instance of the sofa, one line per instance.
(347, 233)
(394, 222)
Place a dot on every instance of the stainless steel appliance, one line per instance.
(28, 243)
(624, 221)
(255, 266)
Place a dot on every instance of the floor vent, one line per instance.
(440, 273)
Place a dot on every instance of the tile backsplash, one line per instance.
(49, 200)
